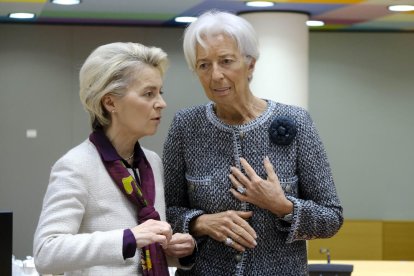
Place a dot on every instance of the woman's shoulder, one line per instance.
(153, 158)
(150, 154)
(192, 110)
(190, 118)
(288, 110)
(84, 153)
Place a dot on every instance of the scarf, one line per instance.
(153, 260)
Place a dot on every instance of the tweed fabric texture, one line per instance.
(198, 153)
(84, 215)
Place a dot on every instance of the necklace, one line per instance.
(129, 158)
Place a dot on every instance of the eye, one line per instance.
(227, 61)
(149, 94)
(202, 66)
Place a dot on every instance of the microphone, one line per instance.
(327, 252)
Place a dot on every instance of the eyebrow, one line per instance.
(221, 56)
(151, 87)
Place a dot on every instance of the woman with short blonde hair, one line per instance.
(104, 211)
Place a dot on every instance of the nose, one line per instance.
(160, 103)
(216, 73)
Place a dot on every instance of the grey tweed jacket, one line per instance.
(197, 156)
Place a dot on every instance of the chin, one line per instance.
(151, 133)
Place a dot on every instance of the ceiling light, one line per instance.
(185, 19)
(259, 4)
(401, 8)
(22, 15)
(315, 23)
(66, 2)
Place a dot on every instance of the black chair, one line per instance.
(6, 242)
(330, 269)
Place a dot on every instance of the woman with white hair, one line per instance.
(104, 203)
(248, 177)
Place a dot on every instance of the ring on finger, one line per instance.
(241, 190)
(228, 241)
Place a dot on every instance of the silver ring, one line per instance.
(241, 190)
(228, 241)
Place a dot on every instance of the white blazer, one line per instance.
(84, 214)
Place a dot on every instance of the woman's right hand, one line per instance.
(180, 245)
(229, 224)
(152, 231)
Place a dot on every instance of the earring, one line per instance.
(113, 111)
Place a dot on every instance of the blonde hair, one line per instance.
(108, 69)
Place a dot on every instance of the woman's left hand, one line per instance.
(180, 245)
(264, 193)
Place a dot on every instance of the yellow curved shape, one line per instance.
(127, 181)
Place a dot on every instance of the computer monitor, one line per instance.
(330, 269)
(6, 242)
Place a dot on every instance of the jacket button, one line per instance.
(191, 187)
(238, 257)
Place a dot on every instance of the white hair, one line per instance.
(111, 68)
(218, 22)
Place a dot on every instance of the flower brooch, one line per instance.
(282, 131)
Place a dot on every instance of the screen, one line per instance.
(6, 242)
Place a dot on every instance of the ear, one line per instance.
(252, 64)
(108, 102)
(250, 68)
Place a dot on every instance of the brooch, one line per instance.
(282, 131)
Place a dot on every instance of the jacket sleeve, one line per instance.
(179, 212)
(317, 210)
(58, 247)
